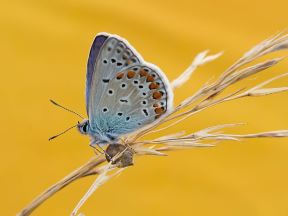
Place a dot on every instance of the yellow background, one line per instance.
(44, 48)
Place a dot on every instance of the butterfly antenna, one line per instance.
(56, 104)
(53, 137)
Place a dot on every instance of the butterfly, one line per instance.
(124, 93)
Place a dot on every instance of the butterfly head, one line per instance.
(84, 127)
(95, 135)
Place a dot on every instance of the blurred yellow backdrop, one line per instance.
(44, 49)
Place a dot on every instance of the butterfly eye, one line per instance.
(85, 128)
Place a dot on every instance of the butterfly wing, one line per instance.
(93, 55)
(136, 97)
(123, 92)
(108, 55)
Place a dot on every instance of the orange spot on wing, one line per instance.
(119, 75)
(159, 110)
(143, 72)
(153, 86)
(150, 78)
(157, 95)
(130, 74)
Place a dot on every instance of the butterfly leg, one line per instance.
(93, 145)
(102, 150)
(96, 150)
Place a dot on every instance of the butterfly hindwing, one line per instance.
(135, 97)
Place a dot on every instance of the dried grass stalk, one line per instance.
(207, 96)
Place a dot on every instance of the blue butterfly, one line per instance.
(123, 92)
